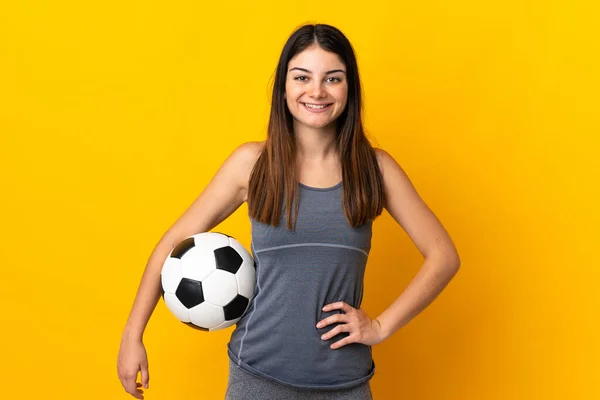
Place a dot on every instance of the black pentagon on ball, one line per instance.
(235, 308)
(189, 292)
(183, 247)
(196, 326)
(228, 259)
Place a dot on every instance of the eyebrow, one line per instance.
(310, 72)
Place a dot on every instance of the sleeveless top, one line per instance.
(297, 273)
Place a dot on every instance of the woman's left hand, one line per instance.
(356, 322)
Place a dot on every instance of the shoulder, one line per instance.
(246, 154)
(393, 175)
(248, 150)
(243, 158)
(385, 160)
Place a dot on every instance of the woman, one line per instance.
(313, 189)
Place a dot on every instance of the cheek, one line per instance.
(340, 95)
(343, 95)
(291, 92)
(342, 99)
(290, 98)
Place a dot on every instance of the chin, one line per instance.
(317, 125)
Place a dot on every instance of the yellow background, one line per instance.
(114, 116)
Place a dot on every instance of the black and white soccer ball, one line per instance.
(208, 280)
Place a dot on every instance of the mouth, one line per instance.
(316, 108)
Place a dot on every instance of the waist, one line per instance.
(278, 339)
(295, 374)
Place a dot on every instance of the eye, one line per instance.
(301, 78)
(335, 79)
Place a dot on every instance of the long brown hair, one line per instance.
(274, 178)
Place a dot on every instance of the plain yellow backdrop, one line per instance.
(115, 115)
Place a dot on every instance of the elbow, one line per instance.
(446, 253)
(452, 260)
(449, 265)
(448, 258)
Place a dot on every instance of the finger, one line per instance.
(335, 331)
(332, 319)
(340, 305)
(139, 390)
(342, 342)
(130, 387)
(145, 375)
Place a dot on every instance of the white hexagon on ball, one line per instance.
(207, 315)
(220, 287)
(197, 264)
(224, 325)
(246, 279)
(211, 240)
(171, 274)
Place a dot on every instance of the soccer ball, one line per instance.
(208, 280)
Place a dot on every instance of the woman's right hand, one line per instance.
(133, 359)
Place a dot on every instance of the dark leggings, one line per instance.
(244, 386)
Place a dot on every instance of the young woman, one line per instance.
(313, 188)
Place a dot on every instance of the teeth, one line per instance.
(315, 105)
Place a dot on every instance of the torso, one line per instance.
(322, 261)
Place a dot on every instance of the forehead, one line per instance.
(316, 59)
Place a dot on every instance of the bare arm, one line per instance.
(431, 239)
(224, 194)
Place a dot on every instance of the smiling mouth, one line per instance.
(316, 106)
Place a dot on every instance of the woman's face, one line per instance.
(316, 89)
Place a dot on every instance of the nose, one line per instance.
(317, 91)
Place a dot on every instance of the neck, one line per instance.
(315, 144)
